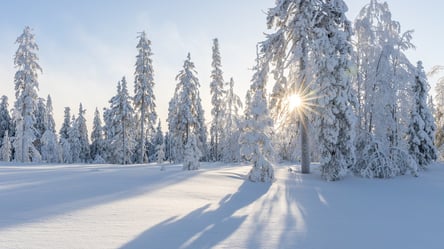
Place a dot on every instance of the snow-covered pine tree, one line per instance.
(5, 118)
(6, 148)
(192, 154)
(231, 125)
(120, 122)
(97, 140)
(64, 136)
(83, 135)
(144, 99)
(40, 116)
(255, 137)
(185, 116)
(26, 86)
(217, 96)
(336, 117)
(74, 141)
(421, 133)
(290, 47)
(50, 147)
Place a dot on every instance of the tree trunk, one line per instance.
(305, 145)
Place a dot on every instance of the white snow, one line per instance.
(110, 206)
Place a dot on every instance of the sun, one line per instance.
(295, 101)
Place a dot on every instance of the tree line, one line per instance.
(364, 109)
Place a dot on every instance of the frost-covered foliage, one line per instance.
(63, 134)
(231, 125)
(290, 48)
(384, 77)
(192, 154)
(83, 135)
(50, 148)
(257, 127)
(336, 117)
(185, 116)
(6, 124)
(217, 96)
(421, 133)
(74, 141)
(97, 140)
(6, 148)
(144, 99)
(119, 126)
(26, 86)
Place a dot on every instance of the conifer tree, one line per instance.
(256, 130)
(144, 99)
(97, 140)
(217, 97)
(6, 148)
(5, 117)
(422, 127)
(50, 147)
(64, 136)
(184, 117)
(83, 135)
(26, 86)
(74, 141)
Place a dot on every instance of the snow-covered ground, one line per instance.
(108, 206)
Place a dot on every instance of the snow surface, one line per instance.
(109, 206)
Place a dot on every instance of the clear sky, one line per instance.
(87, 46)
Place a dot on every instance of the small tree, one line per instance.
(97, 140)
(421, 133)
(255, 138)
(6, 148)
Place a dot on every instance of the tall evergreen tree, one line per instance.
(290, 48)
(6, 148)
(120, 126)
(422, 127)
(144, 99)
(74, 141)
(231, 125)
(184, 115)
(97, 140)
(336, 117)
(83, 135)
(26, 86)
(40, 120)
(50, 147)
(64, 136)
(255, 138)
(5, 117)
(217, 97)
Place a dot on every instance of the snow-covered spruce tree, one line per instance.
(183, 118)
(5, 118)
(231, 125)
(26, 86)
(6, 148)
(383, 86)
(97, 141)
(50, 148)
(332, 76)
(83, 135)
(39, 125)
(256, 129)
(74, 140)
(289, 48)
(421, 133)
(144, 99)
(217, 97)
(64, 135)
(120, 126)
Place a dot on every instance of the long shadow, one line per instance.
(34, 194)
(201, 228)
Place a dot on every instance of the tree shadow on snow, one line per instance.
(202, 228)
(28, 195)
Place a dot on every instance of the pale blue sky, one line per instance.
(87, 46)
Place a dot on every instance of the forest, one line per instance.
(323, 89)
